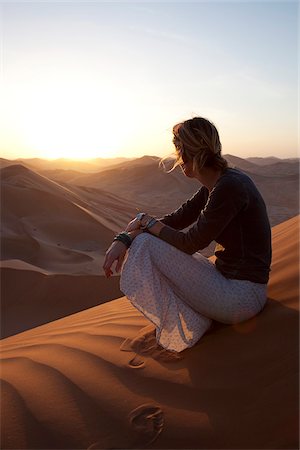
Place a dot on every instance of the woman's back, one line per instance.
(244, 245)
(234, 215)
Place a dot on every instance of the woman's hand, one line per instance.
(116, 252)
(133, 225)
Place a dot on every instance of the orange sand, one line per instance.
(92, 380)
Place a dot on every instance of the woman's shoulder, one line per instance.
(233, 183)
(232, 176)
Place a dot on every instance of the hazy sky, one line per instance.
(88, 79)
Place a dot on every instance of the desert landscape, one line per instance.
(99, 100)
(75, 364)
(57, 223)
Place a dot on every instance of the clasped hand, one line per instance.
(117, 250)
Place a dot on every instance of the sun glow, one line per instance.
(61, 119)
(81, 80)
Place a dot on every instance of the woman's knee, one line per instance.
(141, 241)
(143, 237)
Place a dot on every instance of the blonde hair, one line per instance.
(198, 140)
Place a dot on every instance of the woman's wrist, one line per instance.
(146, 218)
(156, 228)
(123, 237)
(134, 233)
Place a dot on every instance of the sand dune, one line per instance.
(30, 298)
(90, 165)
(264, 161)
(281, 168)
(90, 381)
(57, 228)
(142, 181)
(241, 163)
(266, 167)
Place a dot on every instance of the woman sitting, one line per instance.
(176, 288)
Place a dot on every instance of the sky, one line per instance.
(106, 79)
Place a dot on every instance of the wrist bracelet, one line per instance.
(149, 224)
(143, 227)
(124, 238)
(140, 216)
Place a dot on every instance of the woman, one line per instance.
(175, 287)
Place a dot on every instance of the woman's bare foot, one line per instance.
(145, 343)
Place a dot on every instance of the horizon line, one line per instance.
(134, 157)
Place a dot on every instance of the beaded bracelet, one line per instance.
(149, 224)
(124, 238)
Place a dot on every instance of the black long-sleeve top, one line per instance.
(234, 215)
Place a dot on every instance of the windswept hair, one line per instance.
(197, 140)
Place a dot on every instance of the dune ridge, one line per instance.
(67, 384)
(57, 228)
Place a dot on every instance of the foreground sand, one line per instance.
(92, 380)
(30, 298)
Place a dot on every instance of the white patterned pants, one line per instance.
(181, 293)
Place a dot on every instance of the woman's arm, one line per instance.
(116, 252)
(224, 203)
(188, 212)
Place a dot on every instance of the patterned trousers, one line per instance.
(182, 294)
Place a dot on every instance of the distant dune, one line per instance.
(57, 228)
(142, 181)
(264, 161)
(275, 167)
(68, 384)
(90, 165)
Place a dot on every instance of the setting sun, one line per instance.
(75, 120)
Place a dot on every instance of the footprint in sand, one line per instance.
(130, 345)
(145, 343)
(136, 362)
(147, 423)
